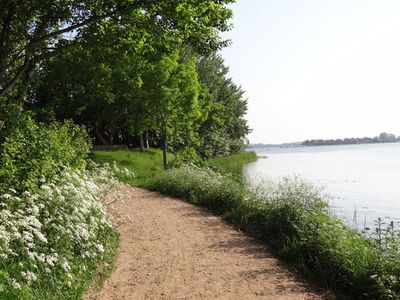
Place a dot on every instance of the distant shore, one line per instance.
(313, 143)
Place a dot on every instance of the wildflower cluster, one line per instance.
(53, 237)
(203, 186)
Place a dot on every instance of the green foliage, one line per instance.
(145, 165)
(223, 129)
(220, 193)
(234, 163)
(184, 156)
(34, 152)
(56, 239)
(102, 96)
(171, 90)
(295, 220)
(29, 27)
(176, 95)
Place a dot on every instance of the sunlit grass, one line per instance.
(233, 164)
(145, 165)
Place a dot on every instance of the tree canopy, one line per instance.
(32, 31)
(133, 72)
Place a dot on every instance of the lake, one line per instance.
(361, 180)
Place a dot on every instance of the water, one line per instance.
(360, 179)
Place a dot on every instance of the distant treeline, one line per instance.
(283, 145)
(382, 138)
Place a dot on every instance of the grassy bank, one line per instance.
(234, 163)
(147, 165)
(296, 222)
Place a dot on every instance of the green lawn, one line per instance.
(144, 164)
(147, 164)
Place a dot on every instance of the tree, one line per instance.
(128, 94)
(32, 31)
(223, 129)
(387, 137)
(93, 87)
(122, 93)
(171, 89)
(133, 74)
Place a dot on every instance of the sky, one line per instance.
(317, 68)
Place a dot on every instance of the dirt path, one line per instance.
(174, 250)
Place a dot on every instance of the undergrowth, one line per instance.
(55, 232)
(54, 240)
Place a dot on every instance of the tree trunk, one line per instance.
(164, 148)
(99, 135)
(146, 140)
(111, 138)
(141, 142)
(25, 83)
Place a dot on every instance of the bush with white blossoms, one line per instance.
(53, 238)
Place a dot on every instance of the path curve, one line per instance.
(171, 249)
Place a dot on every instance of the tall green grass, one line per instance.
(233, 164)
(295, 221)
(145, 165)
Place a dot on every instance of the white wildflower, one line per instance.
(65, 266)
(29, 276)
(68, 209)
(15, 284)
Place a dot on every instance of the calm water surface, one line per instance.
(360, 179)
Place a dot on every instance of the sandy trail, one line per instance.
(174, 250)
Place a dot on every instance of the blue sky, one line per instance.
(317, 68)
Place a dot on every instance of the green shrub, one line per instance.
(202, 186)
(55, 234)
(296, 222)
(33, 152)
(53, 240)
